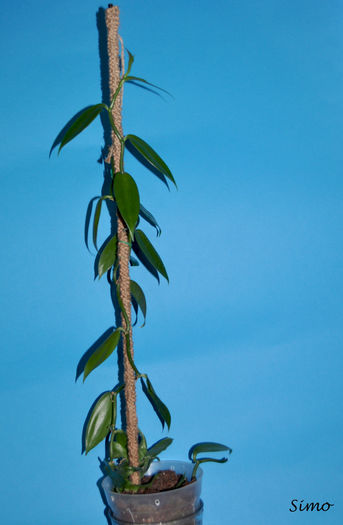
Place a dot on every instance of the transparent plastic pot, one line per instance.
(181, 506)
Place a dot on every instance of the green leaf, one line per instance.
(150, 253)
(116, 476)
(138, 294)
(127, 198)
(142, 446)
(117, 451)
(121, 437)
(131, 60)
(150, 156)
(107, 256)
(118, 446)
(160, 408)
(143, 212)
(81, 123)
(138, 79)
(213, 460)
(99, 422)
(97, 217)
(102, 353)
(209, 446)
(160, 446)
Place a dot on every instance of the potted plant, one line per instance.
(138, 488)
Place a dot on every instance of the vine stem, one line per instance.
(124, 248)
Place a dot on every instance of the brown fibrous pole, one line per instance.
(124, 248)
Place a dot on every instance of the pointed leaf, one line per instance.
(82, 122)
(102, 353)
(150, 253)
(160, 408)
(142, 258)
(160, 446)
(138, 294)
(127, 198)
(143, 212)
(131, 60)
(97, 217)
(99, 422)
(209, 446)
(138, 79)
(107, 256)
(150, 156)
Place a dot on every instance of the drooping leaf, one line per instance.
(138, 295)
(143, 212)
(138, 79)
(97, 217)
(107, 256)
(85, 118)
(102, 353)
(160, 446)
(142, 258)
(159, 407)
(150, 253)
(209, 446)
(135, 308)
(150, 156)
(127, 199)
(99, 422)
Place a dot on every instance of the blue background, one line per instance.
(245, 344)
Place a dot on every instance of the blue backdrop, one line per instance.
(245, 344)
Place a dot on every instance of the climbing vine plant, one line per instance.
(125, 195)
(101, 425)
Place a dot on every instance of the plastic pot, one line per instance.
(181, 506)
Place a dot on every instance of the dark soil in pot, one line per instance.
(162, 481)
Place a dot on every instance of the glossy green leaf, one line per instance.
(150, 253)
(161, 445)
(127, 198)
(143, 212)
(99, 422)
(97, 217)
(150, 156)
(107, 256)
(118, 446)
(117, 451)
(102, 353)
(160, 408)
(138, 294)
(209, 446)
(81, 123)
(142, 259)
(121, 437)
(138, 79)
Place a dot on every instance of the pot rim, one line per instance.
(162, 462)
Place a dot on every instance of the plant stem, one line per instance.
(124, 248)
